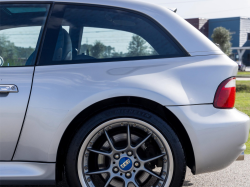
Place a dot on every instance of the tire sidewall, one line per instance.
(126, 112)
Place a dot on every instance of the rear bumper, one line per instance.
(218, 136)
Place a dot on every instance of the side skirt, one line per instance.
(27, 173)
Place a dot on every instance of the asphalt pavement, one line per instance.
(237, 174)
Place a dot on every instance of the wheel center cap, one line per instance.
(125, 163)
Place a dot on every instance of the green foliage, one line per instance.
(242, 103)
(7, 50)
(222, 37)
(97, 50)
(243, 87)
(243, 73)
(247, 151)
(152, 51)
(137, 46)
(13, 55)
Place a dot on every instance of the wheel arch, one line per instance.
(138, 102)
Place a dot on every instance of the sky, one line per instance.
(207, 8)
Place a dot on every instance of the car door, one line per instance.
(90, 53)
(21, 27)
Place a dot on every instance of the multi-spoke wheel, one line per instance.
(124, 152)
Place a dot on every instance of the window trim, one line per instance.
(157, 24)
(43, 34)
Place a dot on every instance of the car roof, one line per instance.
(117, 3)
(189, 37)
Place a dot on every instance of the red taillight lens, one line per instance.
(225, 94)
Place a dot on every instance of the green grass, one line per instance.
(242, 103)
(243, 86)
(242, 82)
(243, 73)
(247, 151)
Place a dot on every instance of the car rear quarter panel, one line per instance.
(218, 136)
(61, 92)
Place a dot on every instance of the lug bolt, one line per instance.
(129, 153)
(89, 179)
(115, 169)
(116, 156)
(137, 164)
(128, 175)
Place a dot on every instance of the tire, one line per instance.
(126, 139)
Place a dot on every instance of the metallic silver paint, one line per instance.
(22, 171)
(13, 107)
(165, 81)
(218, 136)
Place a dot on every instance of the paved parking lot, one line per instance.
(238, 174)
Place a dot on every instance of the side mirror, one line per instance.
(1, 61)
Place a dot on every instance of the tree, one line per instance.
(222, 36)
(7, 50)
(153, 51)
(97, 50)
(137, 46)
(108, 51)
(13, 55)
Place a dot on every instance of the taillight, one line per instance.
(225, 94)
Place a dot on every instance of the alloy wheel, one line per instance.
(125, 152)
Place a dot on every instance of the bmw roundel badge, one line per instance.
(125, 163)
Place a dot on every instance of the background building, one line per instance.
(238, 26)
(200, 23)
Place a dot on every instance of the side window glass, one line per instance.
(97, 34)
(102, 43)
(20, 30)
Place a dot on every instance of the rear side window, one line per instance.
(21, 26)
(83, 34)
